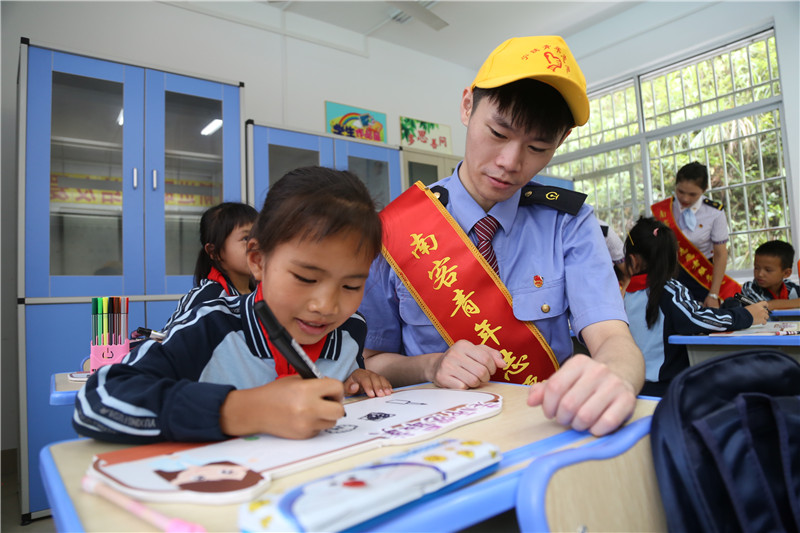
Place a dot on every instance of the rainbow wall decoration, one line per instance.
(354, 122)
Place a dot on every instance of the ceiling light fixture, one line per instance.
(211, 127)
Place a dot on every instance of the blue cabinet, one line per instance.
(274, 151)
(119, 162)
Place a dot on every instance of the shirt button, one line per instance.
(545, 308)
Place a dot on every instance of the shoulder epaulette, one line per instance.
(550, 196)
(604, 229)
(713, 203)
(440, 193)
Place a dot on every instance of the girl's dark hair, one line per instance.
(534, 106)
(695, 172)
(655, 243)
(215, 225)
(315, 203)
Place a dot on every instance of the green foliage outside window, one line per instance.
(729, 101)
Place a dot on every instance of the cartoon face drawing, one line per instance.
(220, 476)
(210, 472)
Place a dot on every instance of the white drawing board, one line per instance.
(239, 469)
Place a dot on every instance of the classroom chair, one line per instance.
(607, 485)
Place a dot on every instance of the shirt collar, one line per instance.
(694, 207)
(467, 212)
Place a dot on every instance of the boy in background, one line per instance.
(771, 268)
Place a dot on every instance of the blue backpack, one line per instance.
(726, 445)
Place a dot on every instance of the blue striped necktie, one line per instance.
(485, 229)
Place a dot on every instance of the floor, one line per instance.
(10, 516)
(10, 511)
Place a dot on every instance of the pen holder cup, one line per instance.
(106, 354)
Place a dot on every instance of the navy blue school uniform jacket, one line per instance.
(679, 314)
(174, 390)
(789, 291)
(216, 285)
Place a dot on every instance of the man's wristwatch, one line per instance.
(715, 296)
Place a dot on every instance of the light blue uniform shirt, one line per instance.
(567, 252)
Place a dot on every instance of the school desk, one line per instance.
(702, 347)
(63, 390)
(605, 485)
(521, 432)
(785, 314)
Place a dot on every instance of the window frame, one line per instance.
(643, 138)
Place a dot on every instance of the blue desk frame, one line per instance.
(534, 480)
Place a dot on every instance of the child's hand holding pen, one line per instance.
(759, 310)
(290, 407)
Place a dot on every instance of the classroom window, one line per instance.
(612, 181)
(722, 109)
(613, 115)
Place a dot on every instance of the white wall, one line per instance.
(288, 79)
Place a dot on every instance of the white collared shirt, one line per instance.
(711, 229)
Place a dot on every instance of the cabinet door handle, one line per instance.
(155, 179)
(135, 178)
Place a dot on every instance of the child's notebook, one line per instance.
(770, 328)
(237, 470)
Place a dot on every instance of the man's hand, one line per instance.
(465, 365)
(597, 393)
(585, 394)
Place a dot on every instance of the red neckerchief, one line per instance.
(637, 283)
(216, 275)
(783, 294)
(282, 367)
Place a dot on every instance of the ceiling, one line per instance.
(472, 30)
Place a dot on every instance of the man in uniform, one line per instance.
(544, 258)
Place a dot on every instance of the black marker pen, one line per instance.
(747, 301)
(151, 334)
(293, 352)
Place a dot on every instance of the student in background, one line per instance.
(539, 244)
(702, 231)
(221, 268)
(217, 375)
(659, 305)
(771, 268)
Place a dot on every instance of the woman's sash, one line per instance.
(457, 288)
(690, 258)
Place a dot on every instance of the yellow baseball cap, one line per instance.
(545, 58)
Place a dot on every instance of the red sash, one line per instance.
(456, 288)
(690, 258)
(282, 366)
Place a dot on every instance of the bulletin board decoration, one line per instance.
(113, 197)
(423, 135)
(349, 121)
